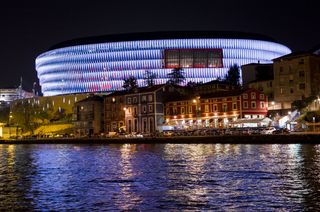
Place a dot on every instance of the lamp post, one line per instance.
(10, 117)
(314, 121)
(197, 110)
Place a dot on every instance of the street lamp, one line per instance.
(314, 126)
(272, 103)
(197, 110)
(10, 117)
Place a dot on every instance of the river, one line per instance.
(146, 177)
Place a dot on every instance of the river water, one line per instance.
(160, 177)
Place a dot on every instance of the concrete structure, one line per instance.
(89, 117)
(101, 63)
(296, 76)
(256, 72)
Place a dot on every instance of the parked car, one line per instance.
(281, 131)
(268, 130)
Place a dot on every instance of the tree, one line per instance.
(130, 83)
(233, 76)
(149, 78)
(4, 114)
(303, 104)
(23, 115)
(176, 77)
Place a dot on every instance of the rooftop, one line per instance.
(161, 35)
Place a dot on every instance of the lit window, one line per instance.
(174, 111)
(190, 109)
(182, 110)
(225, 107)
(206, 108)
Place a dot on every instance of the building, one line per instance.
(215, 110)
(266, 87)
(8, 95)
(256, 72)
(296, 76)
(114, 111)
(144, 111)
(99, 64)
(89, 116)
(212, 87)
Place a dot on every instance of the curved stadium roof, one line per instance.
(161, 36)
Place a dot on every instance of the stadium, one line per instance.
(99, 64)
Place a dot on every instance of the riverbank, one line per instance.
(244, 139)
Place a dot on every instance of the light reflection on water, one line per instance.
(160, 177)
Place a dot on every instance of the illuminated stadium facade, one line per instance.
(99, 64)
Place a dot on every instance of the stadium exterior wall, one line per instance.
(102, 67)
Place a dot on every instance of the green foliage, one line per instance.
(4, 114)
(23, 116)
(301, 105)
(176, 77)
(309, 116)
(130, 83)
(233, 76)
(149, 78)
(59, 115)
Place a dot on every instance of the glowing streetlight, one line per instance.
(314, 123)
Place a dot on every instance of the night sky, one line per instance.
(29, 28)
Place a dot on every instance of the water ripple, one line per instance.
(160, 177)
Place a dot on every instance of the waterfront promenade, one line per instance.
(223, 139)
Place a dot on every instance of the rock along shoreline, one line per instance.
(226, 139)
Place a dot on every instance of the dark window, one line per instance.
(301, 61)
(302, 86)
(281, 69)
(301, 74)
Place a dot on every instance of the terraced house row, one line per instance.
(162, 107)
